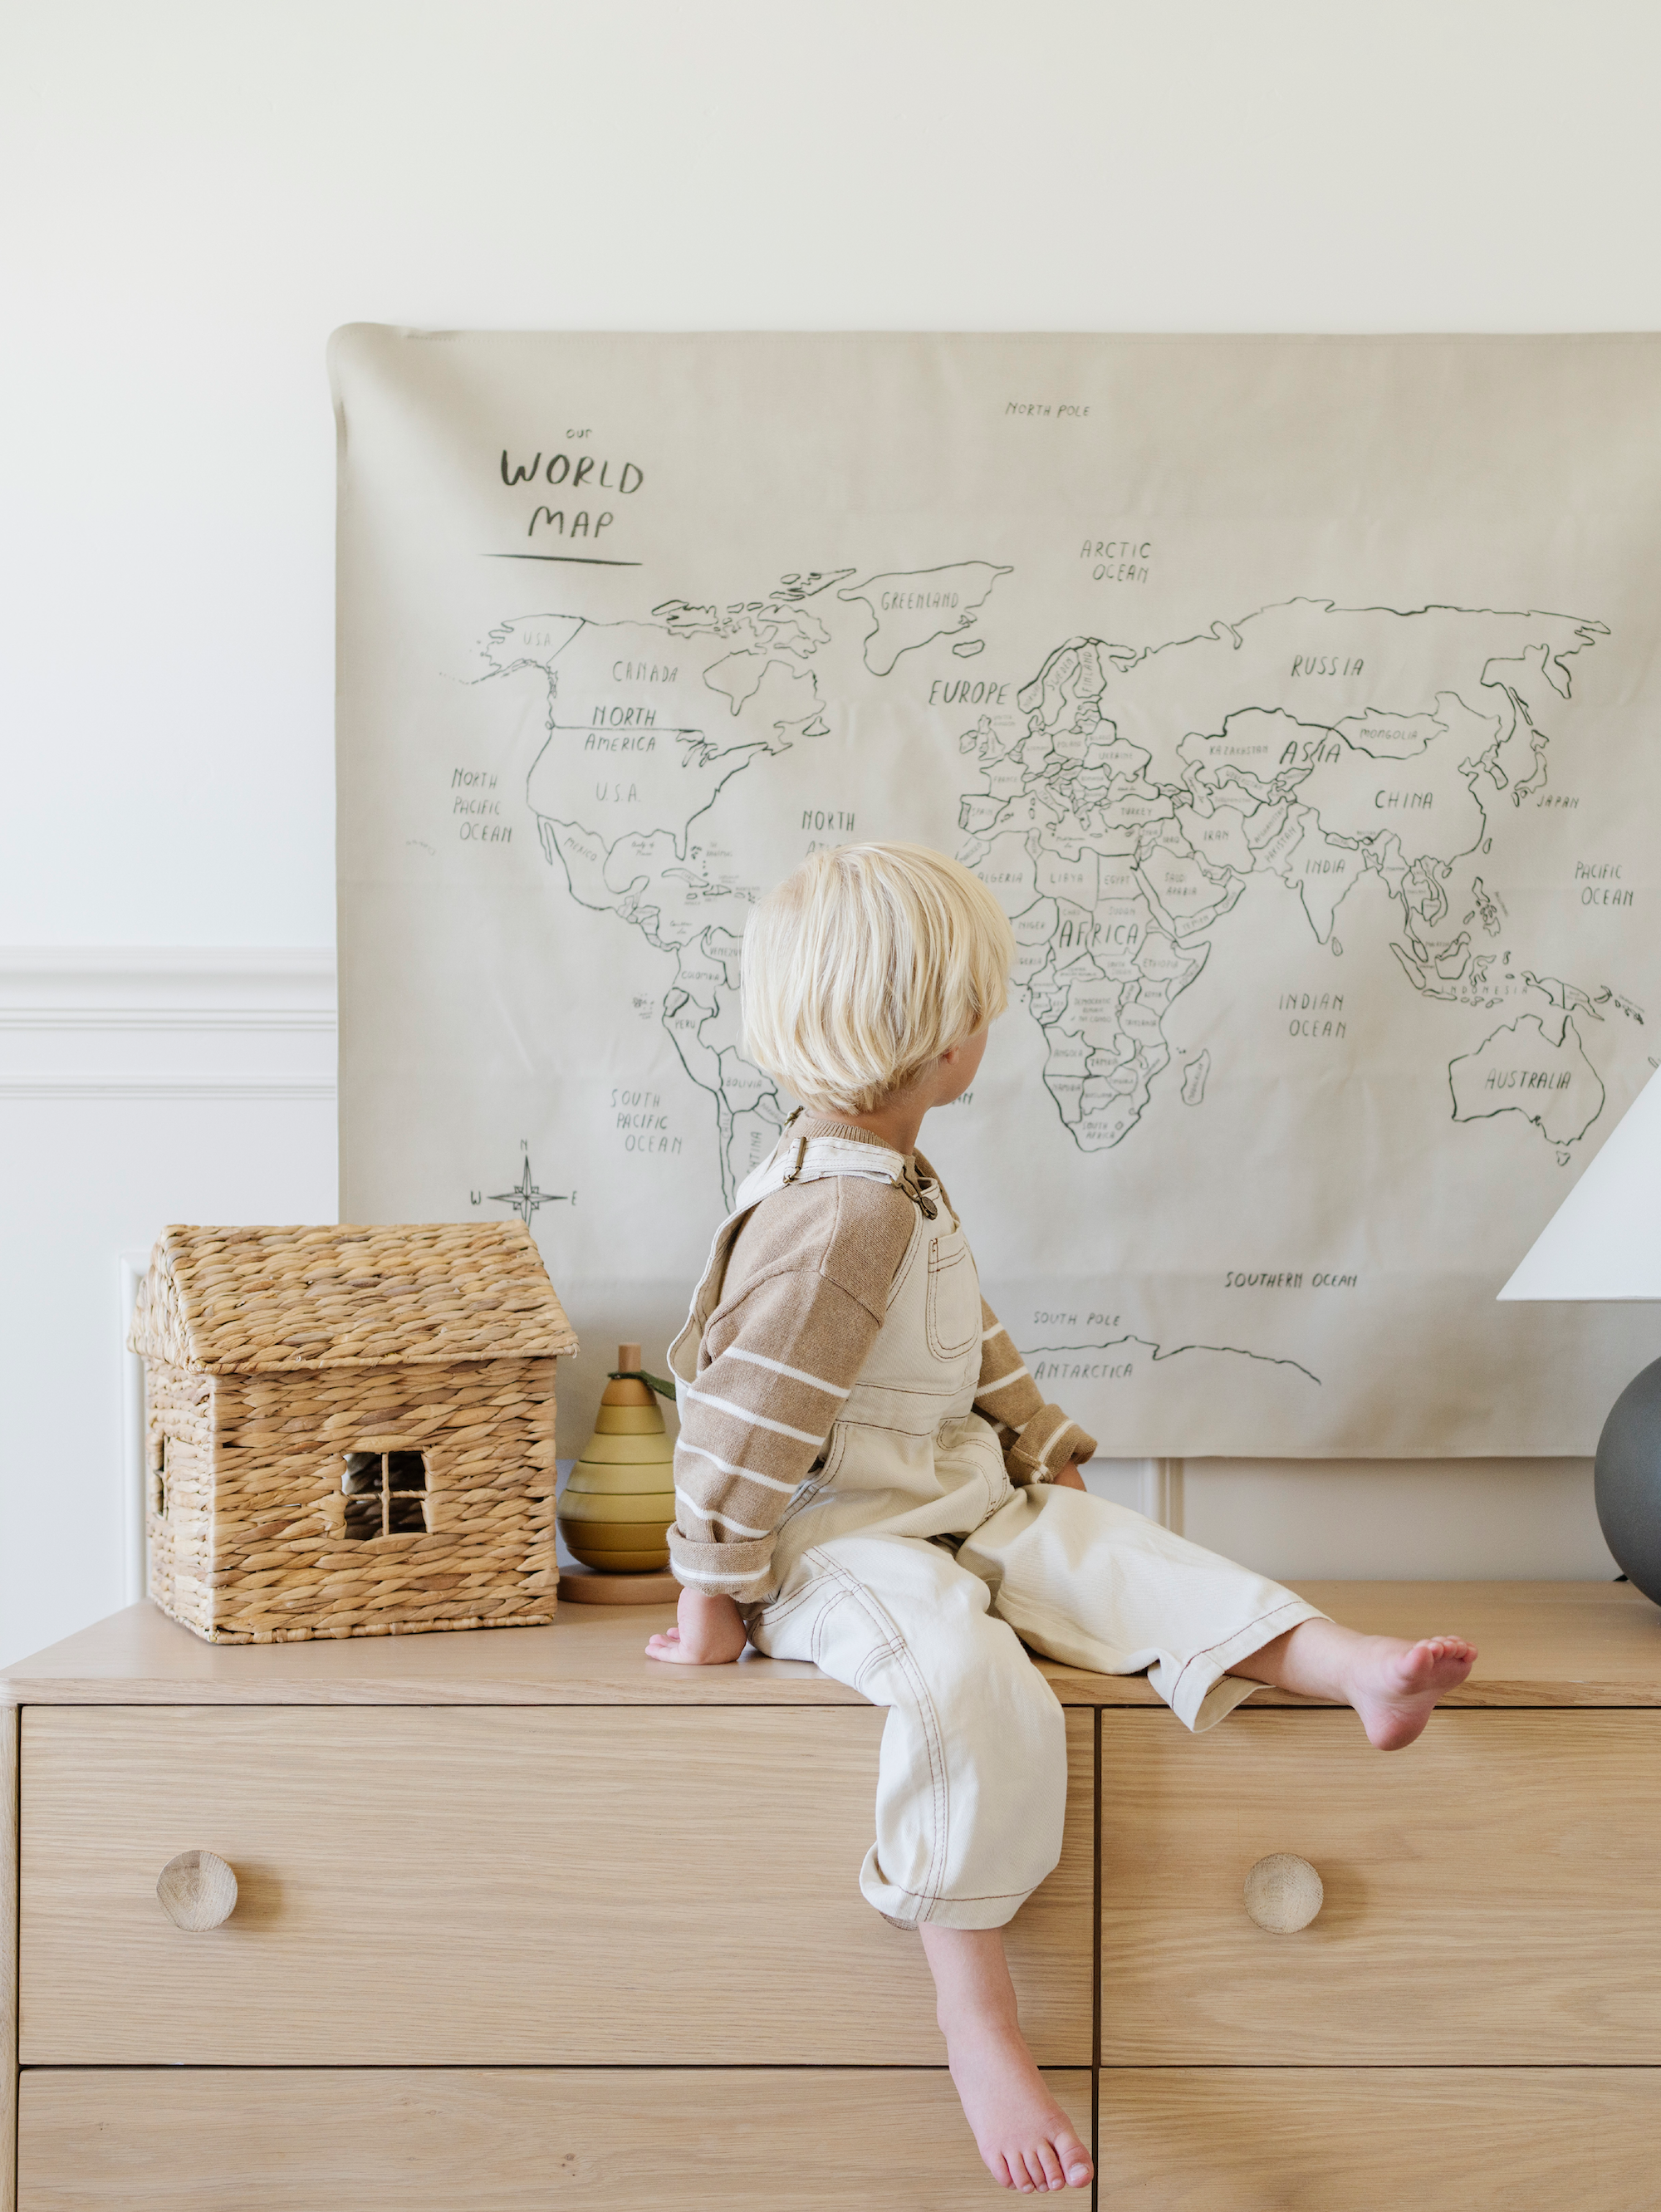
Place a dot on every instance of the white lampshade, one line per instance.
(1605, 1240)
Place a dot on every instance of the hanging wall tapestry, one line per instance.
(1299, 698)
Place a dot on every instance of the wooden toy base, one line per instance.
(585, 1586)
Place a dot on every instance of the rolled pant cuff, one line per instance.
(1206, 1692)
(901, 1909)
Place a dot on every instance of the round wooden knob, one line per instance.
(1283, 1893)
(197, 1890)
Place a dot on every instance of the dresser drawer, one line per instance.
(428, 2140)
(1492, 1894)
(1380, 2139)
(494, 1886)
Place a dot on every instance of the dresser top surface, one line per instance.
(1542, 1644)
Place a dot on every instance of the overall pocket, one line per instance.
(952, 1313)
(818, 1477)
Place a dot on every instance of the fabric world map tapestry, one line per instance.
(1296, 698)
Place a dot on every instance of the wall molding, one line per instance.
(159, 1018)
(104, 1087)
(1162, 1488)
(167, 1022)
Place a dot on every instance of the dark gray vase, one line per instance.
(1628, 1481)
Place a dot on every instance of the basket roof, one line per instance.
(259, 1301)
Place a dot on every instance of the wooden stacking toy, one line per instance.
(617, 1504)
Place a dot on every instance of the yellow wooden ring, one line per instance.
(628, 1421)
(641, 1505)
(628, 1451)
(621, 1481)
(619, 1562)
(592, 1541)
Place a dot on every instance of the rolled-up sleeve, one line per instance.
(755, 1421)
(809, 1281)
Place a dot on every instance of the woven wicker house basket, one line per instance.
(349, 1431)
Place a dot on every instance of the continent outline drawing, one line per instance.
(1158, 1352)
(1099, 972)
(1127, 890)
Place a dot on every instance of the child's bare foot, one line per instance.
(1026, 2139)
(1395, 1686)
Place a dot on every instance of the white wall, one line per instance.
(136, 1088)
(199, 193)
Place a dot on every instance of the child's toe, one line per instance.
(1075, 2161)
(1050, 2165)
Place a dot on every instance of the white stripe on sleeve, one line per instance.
(778, 1367)
(685, 1574)
(709, 1513)
(759, 1420)
(1063, 1428)
(992, 1389)
(766, 1481)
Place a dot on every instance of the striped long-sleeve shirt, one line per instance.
(805, 1292)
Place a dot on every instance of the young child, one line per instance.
(867, 1476)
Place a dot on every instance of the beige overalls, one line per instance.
(910, 1567)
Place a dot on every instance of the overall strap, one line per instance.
(798, 1159)
(802, 1159)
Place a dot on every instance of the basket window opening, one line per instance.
(159, 1477)
(385, 1494)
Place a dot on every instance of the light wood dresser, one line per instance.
(524, 1922)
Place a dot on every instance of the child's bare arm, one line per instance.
(1070, 1478)
(710, 1632)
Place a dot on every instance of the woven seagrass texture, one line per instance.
(351, 1431)
(270, 1559)
(180, 1417)
(264, 1300)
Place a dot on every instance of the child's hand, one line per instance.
(1068, 1478)
(711, 1633)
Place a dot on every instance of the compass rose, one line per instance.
(524, 1197)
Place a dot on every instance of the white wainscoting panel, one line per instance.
(1476, 1520)
(141, 1086)
(144, 1022)
(136, 1087)
(1471, 1520)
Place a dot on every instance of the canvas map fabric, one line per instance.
(1296, 697)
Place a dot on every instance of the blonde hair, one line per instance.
(865, 964)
